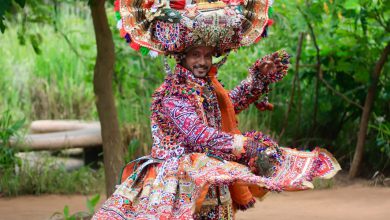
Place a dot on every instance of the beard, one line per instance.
(200, 70)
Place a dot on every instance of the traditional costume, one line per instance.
(201, 166)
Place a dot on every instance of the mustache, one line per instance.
(200, 66)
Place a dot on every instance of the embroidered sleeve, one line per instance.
(247, 92)
(258, 81)
(196, 132)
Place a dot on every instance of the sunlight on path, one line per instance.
(352, 202)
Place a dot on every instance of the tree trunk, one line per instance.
(105, 103)
(368, 103)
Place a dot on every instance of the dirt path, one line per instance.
(351, 202)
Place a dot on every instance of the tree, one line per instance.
(105, 102)
(373, 12)
(368, 104)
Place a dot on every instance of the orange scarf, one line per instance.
(242, 195)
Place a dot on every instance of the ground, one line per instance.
(343, 201)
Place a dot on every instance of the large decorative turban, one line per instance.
(170, 26)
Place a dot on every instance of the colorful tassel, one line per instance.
(122, 33)
(270, 12)
(128, 38)
(258, 39)
(153, 54)
(117, 15)
(265, 32)
(178, 4)
(144, 51)
(116, 5)
(119, 24)
(135, 46)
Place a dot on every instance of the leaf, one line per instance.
(21, 2)
(66, 212)
(344, 66)
(385, 38)
(85, 46)
(363, 20)
(361, 76)
(17, 125)
(4, 6)
(352, 5)
(91, 203)
(35, 43)
(2, 26)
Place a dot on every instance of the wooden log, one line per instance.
(49, 126)
(34, 159)
(83, 138)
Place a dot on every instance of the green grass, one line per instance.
(47, 179)
(57, 83)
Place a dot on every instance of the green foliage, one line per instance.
(131, 150)
(135, 78)
(8, 129)
(91, 204)
(67, 214)
(383, 135)
(58, 83)
(6, 6)
(50, 177)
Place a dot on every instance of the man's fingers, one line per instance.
(269, 67)
(262, 65)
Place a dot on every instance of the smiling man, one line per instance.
(201, 166)
(198, 60)
(198, 115)
(198, 165)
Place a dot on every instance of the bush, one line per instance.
(49, 176)
(8, 129)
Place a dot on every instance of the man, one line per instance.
(201, 166)
(198, 154)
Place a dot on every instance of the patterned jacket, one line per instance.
(186, 115)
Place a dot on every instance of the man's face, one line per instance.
(198, 60)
